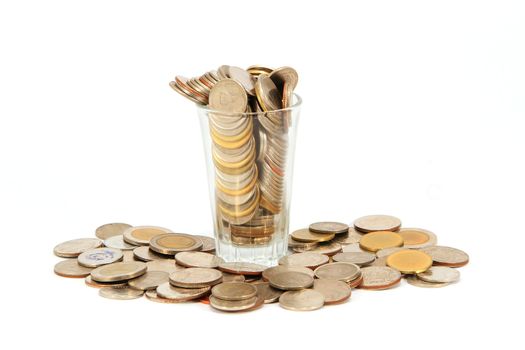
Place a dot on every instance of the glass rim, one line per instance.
(297, 103)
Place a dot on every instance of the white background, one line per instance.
(411, 108)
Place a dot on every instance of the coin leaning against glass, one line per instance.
(100, 256)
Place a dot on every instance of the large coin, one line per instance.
(100, 256)
(333, 291)
(228, 96)
(306, 259)
(409, 261)
(232, 306)
(373, 223)
(329, 227)
(269, 272)
(234, 291)
(73, 248)
(380, 240)
(143, 253)
(447, 256)
(141, 235)
(120, 271)
(439, 274)
(244, 268)
(71, 268)
(379, 277)
(118, 242)
(198, 259)
(168, 291)
(339, 271)
(195, 277)
(267, 292)
(120, 293)
(165, 265)
(109, 230)
(291, 280)
(305, 235)
(173, 243)
(416, 238)
(358, 258)
(149, 280)
(415, 281)
(302, 300)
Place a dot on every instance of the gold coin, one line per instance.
(333, 291)
(73, 248)
(195, 277)
(291, 280)
(234, 291)
(198, 259)
(71, 268)
(120, 271)
(141, 235)
(168, 291)
(339, 271)
(305, 235)
(109, 230)
(172, 243)
(409, 261)
(232, 306)
(302, 300)
(373, 223)
(120, 293)
(306, 259)
(329, 227)
(416, 238)
(380, 240)
(149, 280)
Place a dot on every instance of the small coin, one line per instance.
(380, 240)
(234, 291)
(141, 235)
(447, 256)
(302, 300)
(351, 237)
(109, 230)
(415, 281)
(333, 291)
(409, 261)
(168, 291)
(149, 280)
(269, 272)
(195, 277)
(306, 259)
(379, 277)
(173, 243)
(305, 235)
(416, 238)
(118, 242)
(232, 277)
(439, 274)
(120, 271)
(71, 268)
(165, 265)
(291, 280)
(208, 243)
(383, 253)
(358, 258)
(73, 248)
(100, 256)
(329, 227)
(120, 293)
(267, 292)
(232, 306)
(89, 282)
(339, 271)
(373, 223)
(243, 268)
(228, 96)
(198, 259)
(143, 253)
(327, 248)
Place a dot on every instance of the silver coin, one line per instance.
(195, 277)
(244, 268)
(415, 281)
(353, 247)
(143, 253)
(165, 265)
(388, 251)
(291, 280)
(118, 242)
(100, 256)
(198, 259)
(358, 258)
(109, 230)
(149, 280)
(269, 272)
(232, 306)
(333, 291)
(327, 248)
(73, 248)
(120, 271)
(267, 292)
(373, 223)
(306, 259)
(89, 282)
(71, 268)
(351, 237)
(302, 300)
(379, 277)
(447, 256)
(339, 271)
(439, 274)
(120, 293)
(168, 291)
(329, 227)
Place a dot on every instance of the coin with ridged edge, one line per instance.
(149, 280)
(302, 300)
(195, 277)
(71, 268)
(168, 291)
(329, 227)
(100, 256)
(306, 259)
(109, 230)
(141, 235)
(234, 291)
(73, 248)
(334, 292)
(340, 271)
(291, 280)
(120, 293)
(120, 271)
(198, 259)
(371, 223)
(173, 243)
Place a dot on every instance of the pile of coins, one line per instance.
(327, 261)
(248, 121)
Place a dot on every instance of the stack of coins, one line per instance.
(248, 123)
(375, 254)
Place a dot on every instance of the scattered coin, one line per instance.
(302, 300)
(71, 268)
(379, 277)
(141, 235)
(329, 227)
(267, 292)
(232, 306)
(447, 256)
(355, 283)
(120, 293)
(387, 251)
(153, 296)
(143, 253)
(327, 248)
(234, 291)
(195, 277)
(373, 223)
(73, 248)
(350, 237)
(168, 291)
(353, 247)
(100, 256)
(127, 255)
(306, 259)
(232, 277)
(291, 280)
(292, 243)
(380, 240)
(149, 280)
(305, 235)
(333, 291)
(357, 258)
(415, 281)
(439, 274)
(109, 230)
(89, 282)
(120, 271)
(339, 271)
(173, 243)
(243, 268)
(416, 238)
(165, 265)
(208, 243)
(409, 261)
(269, 272)
(198, 259)
(118, 242)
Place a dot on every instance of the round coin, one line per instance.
(73, 248)
(153, 296)
(100, 256)
(234, 291)
(118, 242)
(302, 300)
(143, 253)
(416, 238)
(409, 261)
(120, 293)
(89, 282)
(165, 265)
(195, 277)
(379, 277)
(306, 259)
(333, 291)
(149, 280)
(329, 227)
(447, 256)
(327, 248)
(339, 271)
(173, 243)
(109, 230)
(228, 96)
(120, 271)
(71, 268)
(305, 235)
(358, 258)
(232, 277)
(350, 237)
(198, 259)
(232, 306)
(384, 253)
(269, 272)
(243, 268)
(380, 240)
(415, 281)
(208, 243)
(291, 280)
(141, 235)
(168, 291)
(373, 223)
(267, 292)
(439, 274)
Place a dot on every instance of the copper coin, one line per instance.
(120, 271)
(357, 282)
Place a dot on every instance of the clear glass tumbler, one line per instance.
(249, 159)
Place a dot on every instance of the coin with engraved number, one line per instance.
(329, 227)
(109, 230)
(100, 256)
(118, 242)
(149, 280)
(333, 291)
(358, 258)
(173, 243)
(168, 291)
(244, 268)
(73, 248)
(143, 253)
(379, 277)
(291, 280)
(416, 238)
(269, 272)
(439, 274)
(141, 235)
(267, 292)
(195, 277)
(198, 259)
(380, 240)
(302, 300)
(305, 235)
(232, 306)
(409, 261)
(373, 223)
(415, 281)
(120, 271)
(208, 243)
(120, 293)
(447, 256)
(89, 282)
(234, 291)
(306, 259)
(339, 271)
(71, 268)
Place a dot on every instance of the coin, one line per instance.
(168, 291)
(269, 272)
(149, 280)
(333, 291)
(165, 265)
(244, 268)
(268, 95)
(383, 253)
(302, 300)
(355, 283)
(284, 75)
(120, 293)
(89, 282)
(305, 235)
(73, 248)
(173, 243)
(413, 280)
(267, 292)
(358, 258)
(118, 242)
(373, 223)
(231, 277)
(195, 277)
(380, 240)
(153, 296)
(243, 77)
(379, 277)
(208, 243)
(71, 268)
(128, 256)
(228, 96)
(327, 248)
(350, 237)
(329, 227)
(232, 306)
(120, 271)
(409, 261)
(340, 271)
(447, 256)
(417, 238)
(198, 259)
(439, 274)
(109, 230)
(291, 280)
(292, 243)
(143, 253)
(141, 235)
(353, 247)
(100, 256)
(380, 261)
(234, 291)
(306, 259)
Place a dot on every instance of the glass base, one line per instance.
(267, 255)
